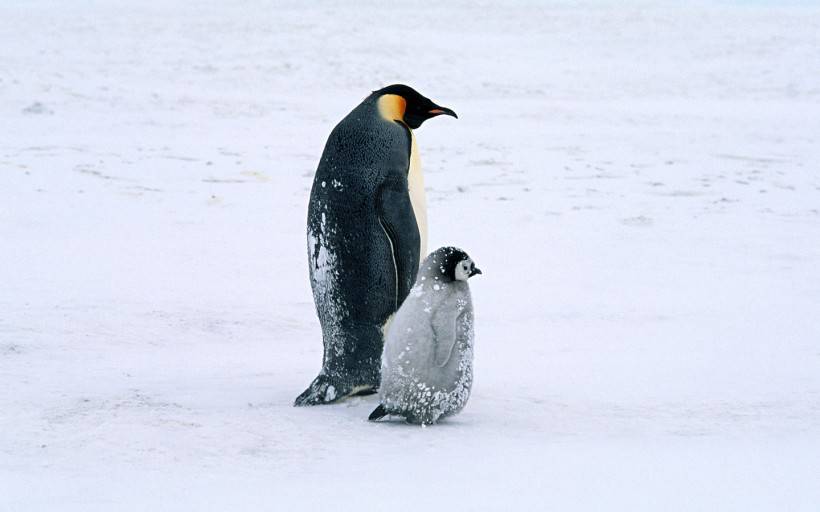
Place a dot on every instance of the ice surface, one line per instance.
(639, 184)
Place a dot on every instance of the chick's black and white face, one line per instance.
(465, 269)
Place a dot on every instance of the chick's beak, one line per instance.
(437, 111)
(475, 271)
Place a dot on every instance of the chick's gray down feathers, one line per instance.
(427, 364)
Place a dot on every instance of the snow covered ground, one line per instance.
(638, 182)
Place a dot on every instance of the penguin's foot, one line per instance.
(326, 390)
(379, 413)
(364, 390)
(323, 390)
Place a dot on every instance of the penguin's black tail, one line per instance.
(377, 414)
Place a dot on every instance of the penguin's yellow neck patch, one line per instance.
(392, 107)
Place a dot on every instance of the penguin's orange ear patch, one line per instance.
(392, 107)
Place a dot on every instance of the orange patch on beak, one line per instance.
(441, 111)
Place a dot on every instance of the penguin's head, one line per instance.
(454, 264)
(465, 269)
(402, 103)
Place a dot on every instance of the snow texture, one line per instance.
(325, 275)
(638, 181)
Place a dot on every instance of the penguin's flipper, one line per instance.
(399, 223)
(323, 390)
(379, 413)
(444, 339)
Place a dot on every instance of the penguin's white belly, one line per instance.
(415, 182)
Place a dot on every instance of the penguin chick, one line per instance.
(427, 363)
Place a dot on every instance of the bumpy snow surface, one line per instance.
(639, 184)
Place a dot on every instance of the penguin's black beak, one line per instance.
(437, 111)
(417, 114)
(475, 271)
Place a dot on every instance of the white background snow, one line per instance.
(639, 183)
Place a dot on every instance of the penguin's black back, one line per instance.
(364, 154)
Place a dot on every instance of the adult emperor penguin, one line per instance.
(427, 365)
(366, 233)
